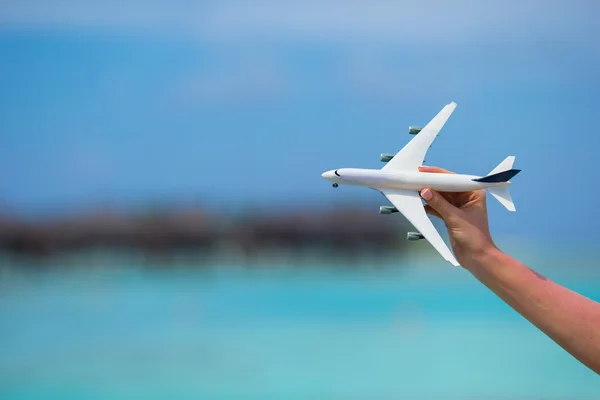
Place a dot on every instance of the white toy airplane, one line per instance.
(401, 182)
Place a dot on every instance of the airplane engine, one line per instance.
(385, 157)
(387, 210)
(413, 130)
(414, 236)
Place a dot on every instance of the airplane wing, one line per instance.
(408, 202)
(413, 154)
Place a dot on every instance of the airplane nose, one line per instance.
(329, 175)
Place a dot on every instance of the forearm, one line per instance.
(568, 318)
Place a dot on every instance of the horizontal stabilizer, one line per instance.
(502, 194)
(504, 176)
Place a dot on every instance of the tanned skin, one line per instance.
(568, 318)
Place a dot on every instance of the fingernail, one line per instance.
(426, 194)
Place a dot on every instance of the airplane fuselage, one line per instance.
(404, 180)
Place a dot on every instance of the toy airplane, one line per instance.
(401, 182)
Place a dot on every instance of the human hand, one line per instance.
(465, 216)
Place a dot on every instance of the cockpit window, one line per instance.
(336, 172)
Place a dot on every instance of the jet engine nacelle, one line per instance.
(414, 236)
(413, 130)
(385, 157)
(387, 210)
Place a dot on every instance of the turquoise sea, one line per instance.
(275, 332)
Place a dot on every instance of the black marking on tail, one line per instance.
(504, 176)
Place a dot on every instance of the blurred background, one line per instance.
(165, 231)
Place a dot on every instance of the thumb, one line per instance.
(438, 203)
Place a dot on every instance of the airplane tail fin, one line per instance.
(502, 173)
(504, 165)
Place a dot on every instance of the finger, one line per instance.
(449, 196)
(427, 168)
(456, 198)
(439, 203)
(429, 210)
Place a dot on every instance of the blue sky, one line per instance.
(239, 104)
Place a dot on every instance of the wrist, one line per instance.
(483, 258)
